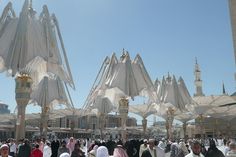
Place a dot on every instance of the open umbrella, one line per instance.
(208, 105)
(120, 80)
(49, 92)
(30, 50)
(121, 76)
(143, 110)
(173, 98)
(172, 95)
(28, 44)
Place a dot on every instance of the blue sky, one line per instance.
(168, 34)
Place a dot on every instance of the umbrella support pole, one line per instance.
(44, 121)
(22, 91)
(201, 127)
(144, 124)
(102, 125)
(20, 123)
(123, 111)
(169, 122)
(184, 129)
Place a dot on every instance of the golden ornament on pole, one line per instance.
(23, 91)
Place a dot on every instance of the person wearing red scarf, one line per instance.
(36, 152)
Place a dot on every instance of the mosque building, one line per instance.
(210, 126)
(4, 108)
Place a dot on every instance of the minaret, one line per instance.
(198, 81)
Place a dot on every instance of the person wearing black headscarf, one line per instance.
(213, 151)
(55, 144)
(146, 153)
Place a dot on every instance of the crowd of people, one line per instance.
(71, 147)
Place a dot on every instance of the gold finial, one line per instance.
(196, 60)
(168, 77)
(122, 57)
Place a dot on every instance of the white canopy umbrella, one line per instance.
(29, 50)
(120, 80)
(212, 105)
(8, 24)
(98, 88)
(105, 101)
(144, 82)
(8, 14)
(143, 110)
(216, 106)
(48, 94)
(184, 117)
(173, 99)
(28, 44)
(186, 97)
(172, 95)
(103, 105)
(130, 77)
(121, 76)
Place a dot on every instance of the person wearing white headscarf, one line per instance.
(143, 147)
(102, 151)
(47, 151)
(151, 147)
(4, 150)
(65, 155)
(182, 149)
(119, 151)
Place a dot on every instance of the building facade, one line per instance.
(4, 108)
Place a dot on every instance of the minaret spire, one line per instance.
(30, 3)
(223, 90)
(198, 81)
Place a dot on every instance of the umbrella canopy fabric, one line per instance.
(130, 77)
(185, 116)
(50, 92)
(214, 105)
(8, 24)
(120, 78)
(172, 95)
(27, 41)
(7, 14)
(186, 97)
(144, 82)
(224, 105)
(144, 110)
(98, 94)
(28, 44)
(103, 104)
